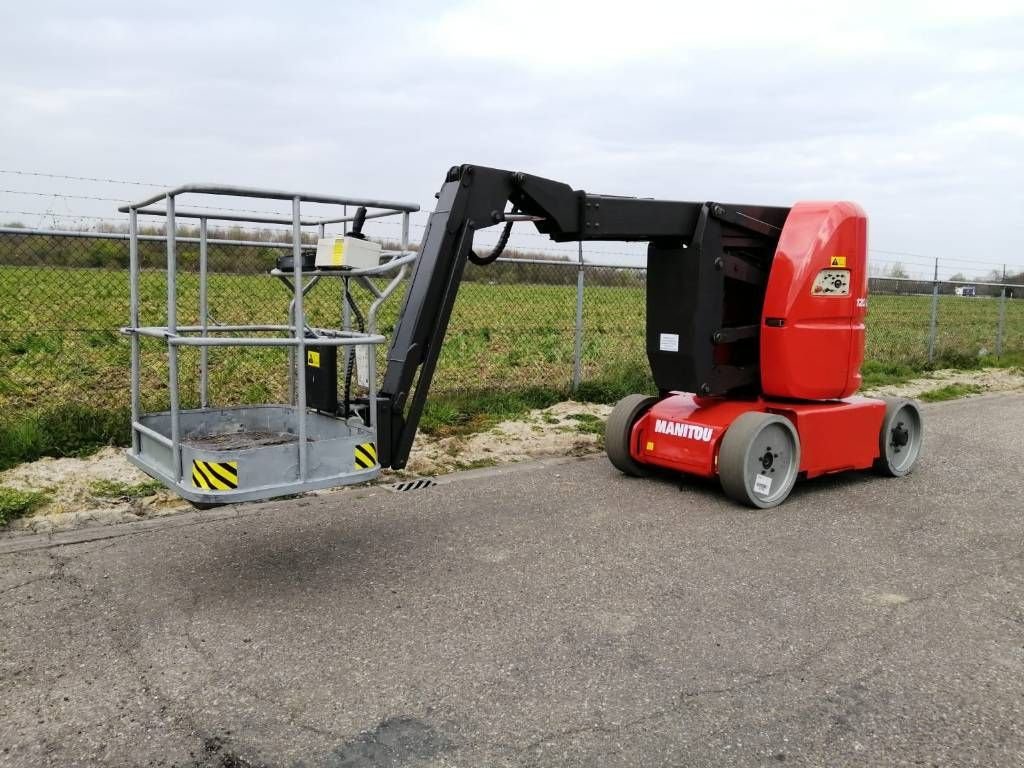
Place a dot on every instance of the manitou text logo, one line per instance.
(681, 429)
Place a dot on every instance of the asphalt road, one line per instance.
(550, 615)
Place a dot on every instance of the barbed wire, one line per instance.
(62, 196)
(930, 260)
(66, 177)
(953, 265)
(66, 196)
(40, 174)
(64, 215)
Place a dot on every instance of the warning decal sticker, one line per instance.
(366, 456)
(215, 475)
(338, 254)
(837, 261)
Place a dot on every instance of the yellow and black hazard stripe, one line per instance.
(366, 456)
(215, 475)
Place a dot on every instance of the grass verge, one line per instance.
(77, 430)
(588, 423)
(468, 412)
(877, 374)
(66, 430)
(949, 392)
(15, 503)
(475, 411)
(117, 491)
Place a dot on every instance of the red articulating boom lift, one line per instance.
(755, 332)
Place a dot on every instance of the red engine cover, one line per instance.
(812, 335)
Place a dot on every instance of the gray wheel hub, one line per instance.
(759, 459)
(901, 437)
(769, 467)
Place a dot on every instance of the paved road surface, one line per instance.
(564, 615)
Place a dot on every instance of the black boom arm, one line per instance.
(707, 266)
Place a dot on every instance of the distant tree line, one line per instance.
(96, 249)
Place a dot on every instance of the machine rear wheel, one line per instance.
(619, 429)
(899, 442)
(759, 459)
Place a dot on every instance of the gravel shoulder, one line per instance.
(986, 380)
(566, 429)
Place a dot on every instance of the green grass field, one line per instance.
(61, 354)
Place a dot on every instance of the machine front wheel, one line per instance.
(899, 442)
(759, 459)
(619, 429)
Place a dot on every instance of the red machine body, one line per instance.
(684, 432)
(812, 324)
(811, 350)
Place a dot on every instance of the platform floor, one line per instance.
(237, 441)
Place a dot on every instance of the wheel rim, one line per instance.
(903, 439)
(771, 464)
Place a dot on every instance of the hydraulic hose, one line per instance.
(499, 247)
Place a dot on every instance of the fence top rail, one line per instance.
(269, 194)
(930, 281)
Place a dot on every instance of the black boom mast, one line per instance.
(707, 266)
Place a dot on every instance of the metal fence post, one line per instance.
(133, 319)
(1002, 324)
(935, 314)
(171, 231)
(204, 313)
(300, 333)
(577, 352)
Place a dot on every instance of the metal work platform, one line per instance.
(223, 453)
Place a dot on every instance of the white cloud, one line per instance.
(916, 110)
(546, 35)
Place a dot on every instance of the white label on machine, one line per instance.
(832, 282)
(669, 342)
(762, 485)
(363, 365)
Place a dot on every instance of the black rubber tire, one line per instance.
(618, 429)
(734, 459)
(894, 406)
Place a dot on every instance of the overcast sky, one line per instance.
(916, 111)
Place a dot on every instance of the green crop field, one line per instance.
(59, 345)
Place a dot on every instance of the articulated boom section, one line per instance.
(708, 266)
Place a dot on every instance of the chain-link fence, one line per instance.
(517, 324)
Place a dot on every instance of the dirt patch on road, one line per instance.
(564, 429)
(85, 491)
(981, 381)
